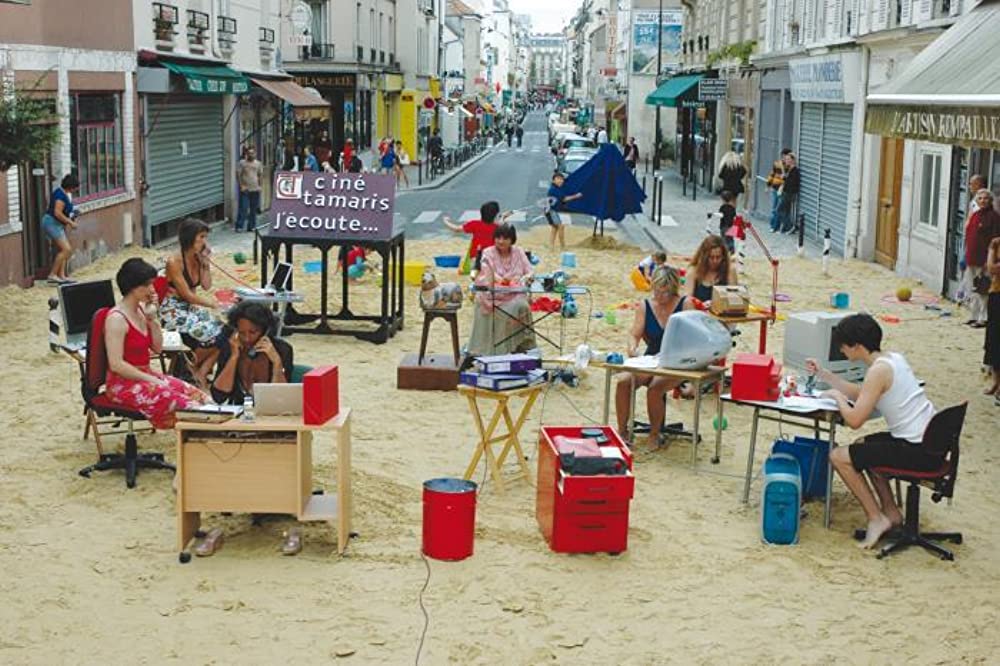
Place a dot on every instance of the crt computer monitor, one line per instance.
(79, 301)
(693, 340)
(810, 335)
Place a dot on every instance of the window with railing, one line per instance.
(165, 17)
(97, 150)
(227, 30)
(197, 26)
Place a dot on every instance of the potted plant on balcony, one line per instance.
(164, 30)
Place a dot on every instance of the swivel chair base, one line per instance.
(912, 536)
(131, 461)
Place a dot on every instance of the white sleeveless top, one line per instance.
(904, 406)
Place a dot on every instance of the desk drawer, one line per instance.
(241, 477)
(585, 533)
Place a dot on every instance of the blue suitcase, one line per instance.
(780, 499)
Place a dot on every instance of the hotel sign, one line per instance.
(960, 126)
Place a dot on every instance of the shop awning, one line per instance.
(950, 92)
(305, 102)
(210, 79)
(674, 90)
(618, 111)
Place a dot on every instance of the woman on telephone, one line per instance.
(250, 353)
(184, 309)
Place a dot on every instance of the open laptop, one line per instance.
(279, 282)
(277, 399)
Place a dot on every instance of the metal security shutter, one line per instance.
(185, 156)
(824, 164)
(769, 145)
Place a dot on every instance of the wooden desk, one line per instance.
(820, 421)
(748, 318)
(486, 433)
(270, 473)
(708, 376)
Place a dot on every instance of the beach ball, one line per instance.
(239, 258)
(904, 294)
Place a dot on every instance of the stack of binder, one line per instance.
(503, 373)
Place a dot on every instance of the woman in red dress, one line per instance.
(131, 332)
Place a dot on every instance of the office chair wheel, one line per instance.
(184, 557)
(950, 557)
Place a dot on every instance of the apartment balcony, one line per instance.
(227, 34)
(265, 37)
(317, 51)
(197, 30)
(165, 20)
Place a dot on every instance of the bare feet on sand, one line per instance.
(876, 528)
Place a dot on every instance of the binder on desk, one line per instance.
(320, 395)
(507, 363)
(503, 382)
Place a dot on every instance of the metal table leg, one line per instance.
(828, 504)
(753, 445)
(697, 423)
(607, 395)
(718, 417)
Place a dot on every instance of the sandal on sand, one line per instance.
(211, 543)
(293, 542)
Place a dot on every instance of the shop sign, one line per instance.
(329, 206)
(831, 79)
(326, 81)
(712, 90)
(962, 126)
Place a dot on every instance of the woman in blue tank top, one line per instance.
(60, 217)
(650, 322)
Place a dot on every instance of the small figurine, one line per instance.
(434, 296)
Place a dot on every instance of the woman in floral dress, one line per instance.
(131, 332)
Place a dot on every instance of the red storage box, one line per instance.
(320, 395)
(582, 514)
(756, 377)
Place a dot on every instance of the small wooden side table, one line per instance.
(487, 436)
(450, 316)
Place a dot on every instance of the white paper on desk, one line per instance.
(172, 339)
(800, 403)
(645, 362)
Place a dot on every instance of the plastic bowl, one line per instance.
(313, 266)
(448, 261)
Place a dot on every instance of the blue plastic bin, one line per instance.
(781, 498)
(448, 261)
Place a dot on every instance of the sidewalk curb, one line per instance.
(443, 180)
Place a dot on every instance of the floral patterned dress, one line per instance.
(157, 403)
(194, 321)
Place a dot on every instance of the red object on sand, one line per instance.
(582, 513)
(449, 527)
(320, 395)
(756, 377)
(226, 297)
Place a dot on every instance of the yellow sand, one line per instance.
(90, 572)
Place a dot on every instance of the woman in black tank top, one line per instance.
(710, 266)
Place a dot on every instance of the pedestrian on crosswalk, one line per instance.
(520, 135)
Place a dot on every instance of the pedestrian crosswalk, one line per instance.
(523, 216)
(426, 217)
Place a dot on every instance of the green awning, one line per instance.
(675, 90)
(210, 79)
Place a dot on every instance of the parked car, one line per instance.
(573, 141)
(575, 158)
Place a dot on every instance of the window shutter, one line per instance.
(906, 13)
(880, 20)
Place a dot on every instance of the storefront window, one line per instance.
(96, 148)
(930, 189)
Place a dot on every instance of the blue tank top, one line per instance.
(59, 194)
(653, 332)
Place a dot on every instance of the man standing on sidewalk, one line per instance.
(249, 173)
(520, 135)
(789, 194)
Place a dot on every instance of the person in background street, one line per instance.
(388, 161)
(732, 173)
(520, 135)
(602, 135)
(556, 199)
(789, 194)
(509, 131)
(346, 156)
(309, 160)
(983, 226)
(59, 217)
(774, 181)
(992, 343)
(965, 291)
(324, 149)
(290, 161)
(399, 167)
(631, 153)
(435, 145)
(727, 211)
(249, 174)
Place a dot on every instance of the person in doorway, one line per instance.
(991, 345)
(789, 194)
(324, 148)
(399, 167)
(631, 153)
(650, 321)
(184, 309)
(982, 226)
(60, 216)
(249, 174)
(520, 135)
(890, 387)
(556, 200)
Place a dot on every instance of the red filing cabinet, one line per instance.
(756, 377)
(582, 514)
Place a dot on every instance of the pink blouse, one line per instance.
(497, 271)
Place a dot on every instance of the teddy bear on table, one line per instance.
(434, 296)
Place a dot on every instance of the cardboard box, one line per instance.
(730, 300)
(320, 395)
(438, 372)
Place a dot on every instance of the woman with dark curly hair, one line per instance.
(250, 353)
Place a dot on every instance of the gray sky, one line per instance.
(546, 15)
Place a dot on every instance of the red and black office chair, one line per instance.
(94, 371)
(941, 436)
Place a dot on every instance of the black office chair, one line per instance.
(941, 436)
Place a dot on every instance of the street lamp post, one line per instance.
(659, 67)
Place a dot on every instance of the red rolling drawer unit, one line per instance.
(756, 377)
(582, 514)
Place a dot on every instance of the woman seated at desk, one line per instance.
(131, 332)
(890, 387)
(183, 309)
(249, 353)
(650, 321)
(503, 266)
(711, 266)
